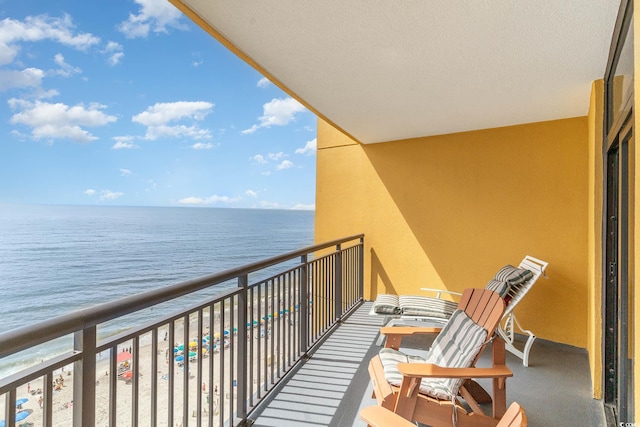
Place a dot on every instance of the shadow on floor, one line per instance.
(333, 385)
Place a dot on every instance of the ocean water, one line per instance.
(58, 259)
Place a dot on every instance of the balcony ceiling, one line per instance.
(386, 70)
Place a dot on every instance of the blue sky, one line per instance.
(130, 103)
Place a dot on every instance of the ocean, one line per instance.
(58, 259)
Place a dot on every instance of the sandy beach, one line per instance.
(63, 397)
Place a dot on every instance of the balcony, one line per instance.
(286, 342)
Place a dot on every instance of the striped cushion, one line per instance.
(425, 306)
(456, 346)
(513, 276)
(386, 304)
(498, 286)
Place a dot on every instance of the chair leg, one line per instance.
(499, 357)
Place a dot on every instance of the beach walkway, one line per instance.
(332, 386)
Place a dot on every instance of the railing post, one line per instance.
(243, 357)
(338, 279)
(84, 378)
(303, 305)
(361, 268)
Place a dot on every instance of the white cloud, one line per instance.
(164, 112)
(125, 172)
(59, 121)
(123, 142)
(29, 77)
(286, 164)
(154, 16)
(277, 112)
(259, 158)
(269, 205)
(202, 146)
(303, 207)
(38, 28)
(276, 156)
(263, 82)
(157, 117)
(208, 200)
(114, 53)
(90, 192)
(65, 69)
(110, 195)
(251, 193)
(309, 148)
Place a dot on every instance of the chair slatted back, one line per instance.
(484, 307)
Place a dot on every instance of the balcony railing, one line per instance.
(207, 365)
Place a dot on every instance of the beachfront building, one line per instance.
(459, 136)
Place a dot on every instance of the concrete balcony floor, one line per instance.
(331, 387)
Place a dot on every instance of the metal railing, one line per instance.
(207, 365)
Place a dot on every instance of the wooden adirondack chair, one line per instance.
(428, 389)
(377, 416)
(438, 304)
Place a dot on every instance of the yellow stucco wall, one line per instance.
(448, 211)
(596, 111)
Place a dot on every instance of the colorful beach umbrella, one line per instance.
(21, 401)
(179, 358)
(192, 354)
(123, 355)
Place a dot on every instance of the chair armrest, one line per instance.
(396, 333)
(377, 416)
(409, 330)
(428, 370)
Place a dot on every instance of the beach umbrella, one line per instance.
(207, 338)
(124, 355)
(235, 330)
(255, 322)
(181, 347)
(192, 354)
(21, 401)
(216, 335)
(179, 358)
(193, 344)
(175, 349)
(127, 375)
(19, 417)
(226, 332)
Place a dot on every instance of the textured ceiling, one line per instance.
(388, 70)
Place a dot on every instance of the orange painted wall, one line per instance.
(448, 211)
